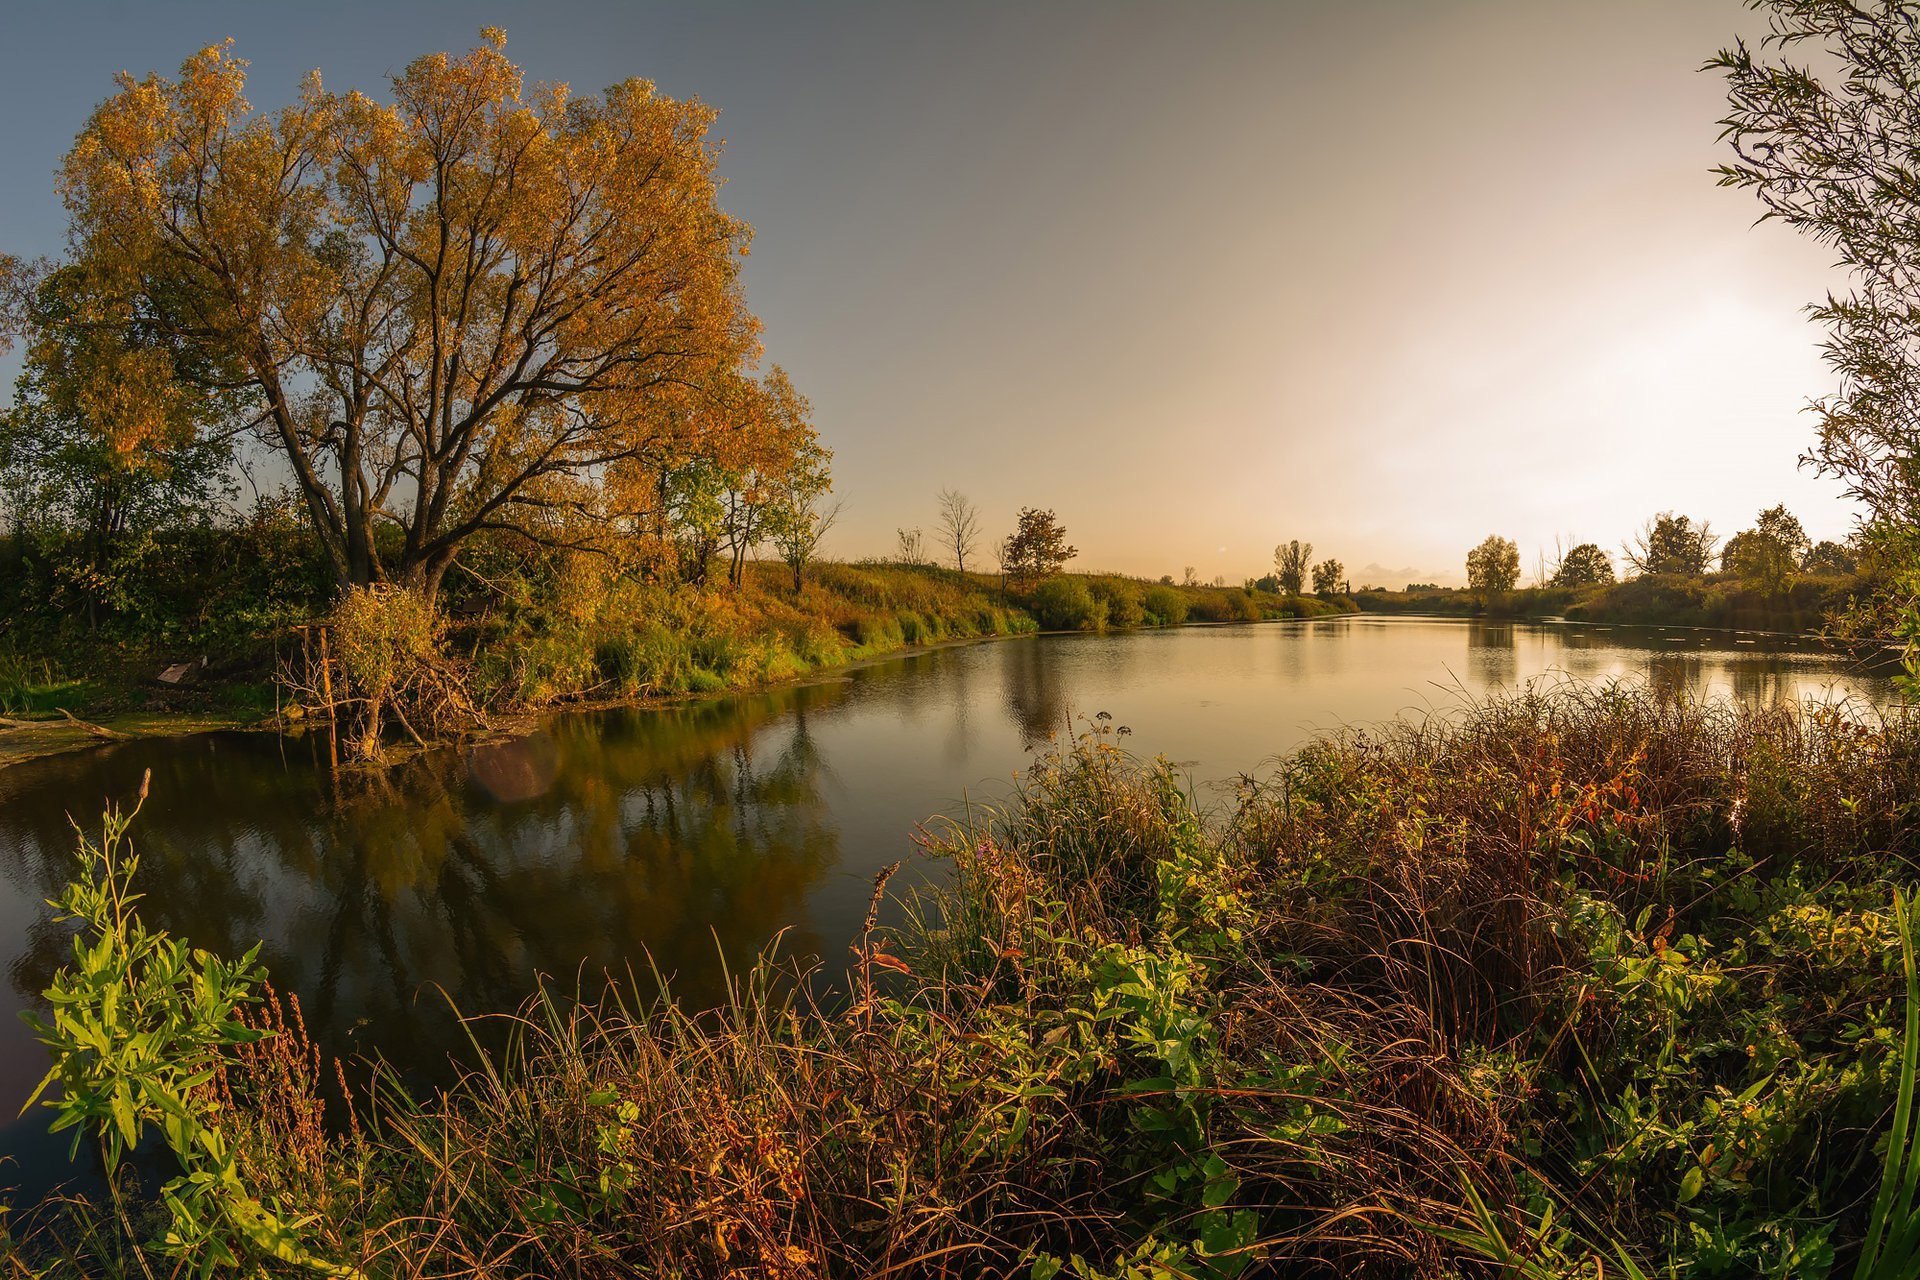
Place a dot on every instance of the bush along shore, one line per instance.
(386, 664)
(1575, 983)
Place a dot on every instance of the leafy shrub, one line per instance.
(384, 661)
(1065, 604)
(140, 1026)
(1125, 610)
(1165, 607)
(1225, 606)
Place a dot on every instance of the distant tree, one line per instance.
(912, 547)
(1219, 579)
(1166, 579)
(1784, 528)
(1670, 544)
(959, 526)
(1290, 561)
(1831, 557)
(1585, 565)
(1759, 557)
(1038, 547)
(1493, 567)
(1186, 577)
(1328, 576)
(1267, 582)
(1770, 552)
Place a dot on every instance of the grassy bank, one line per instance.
(640, 640)
(1583, 975)
(561, 642)
(1802, 606)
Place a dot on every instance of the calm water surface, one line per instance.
(694, 832)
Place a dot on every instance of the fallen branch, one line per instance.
(98, 731)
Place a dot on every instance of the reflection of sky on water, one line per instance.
(684, 834)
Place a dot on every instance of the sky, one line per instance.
(1384, 275)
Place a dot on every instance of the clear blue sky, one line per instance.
(1202, 277)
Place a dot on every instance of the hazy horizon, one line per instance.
(1386, 278)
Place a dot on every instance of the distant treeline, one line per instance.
(1810, 604)
(1674, 572)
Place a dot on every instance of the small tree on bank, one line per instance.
(1671, 544)
(1290, 561)
(1585, 565)
(1785, 529)
(912, 548)
(1759, 558)
(1831, 558)
(1493, 567)
(959, 527)
(1328, 576)
(798, 532)
(1038, 547)
(799, 516)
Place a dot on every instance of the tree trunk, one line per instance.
(426, 575)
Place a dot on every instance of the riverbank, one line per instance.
(1658, 987)
(637, 645)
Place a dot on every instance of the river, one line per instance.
(674, 837)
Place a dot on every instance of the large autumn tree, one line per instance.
(456, 311)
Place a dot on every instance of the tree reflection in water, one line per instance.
(1490, 654)
(600, 845)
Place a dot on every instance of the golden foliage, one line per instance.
(472, 301)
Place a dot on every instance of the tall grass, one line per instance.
(1589, 981)
(34, 684)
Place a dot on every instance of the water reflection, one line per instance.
(1491, 659)
(685, 835)
(1036, 695)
